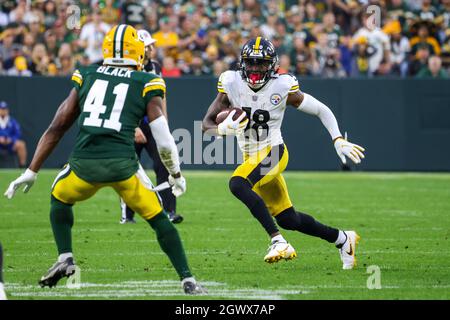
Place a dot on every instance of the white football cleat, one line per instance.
(347, 251)
(280, 250)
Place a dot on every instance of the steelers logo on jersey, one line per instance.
(275, 99)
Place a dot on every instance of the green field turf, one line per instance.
(403, 220)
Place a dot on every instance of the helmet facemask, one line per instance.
(256, 71)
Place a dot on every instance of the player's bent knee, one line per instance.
(237, 184)
(288, 219)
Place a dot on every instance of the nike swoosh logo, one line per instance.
(351, 250)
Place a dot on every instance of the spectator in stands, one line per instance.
(219, 67)
(399, 48)
(34, 28)
(6, 45)
(110, 14)
(39, 60)
(378, 43)
(268, 29)
(50, 14)
(423, 37)
(332, 30)
(332, 67)
(65, 60)
(434, 69)
(198, 67)
(361, 57)
(20, 67)
(346, 54)
(166, 39)
(285, 64)
(92, 35)
(10, 135)
(169, 68)
(420, 60)
(305, 62)
(51, 44)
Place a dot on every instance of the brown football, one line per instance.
(222, 115)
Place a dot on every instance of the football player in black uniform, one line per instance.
(145, 140)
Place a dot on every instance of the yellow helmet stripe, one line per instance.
(118, 40)
(257, 43)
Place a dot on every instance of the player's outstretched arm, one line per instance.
(165, 143)
(209, 121)
(308, 104)
(65, 116)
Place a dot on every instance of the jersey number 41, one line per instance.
(95, 107)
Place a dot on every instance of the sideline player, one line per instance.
(263, 94)
(109, 101)
(144, 140)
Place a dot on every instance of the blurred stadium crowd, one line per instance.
(317, 38)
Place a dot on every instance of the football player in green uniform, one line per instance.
(108, 102)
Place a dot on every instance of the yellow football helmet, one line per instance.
(122, 47)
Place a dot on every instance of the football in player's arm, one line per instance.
(263, 94)
(104, 154)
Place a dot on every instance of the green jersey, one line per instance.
(112, 102)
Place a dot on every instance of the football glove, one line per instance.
(178, 185)
(27, 178)
(230, 127)
(348, 149)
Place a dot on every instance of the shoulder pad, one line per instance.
(291, 82)
(225, 79)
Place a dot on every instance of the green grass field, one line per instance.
(403, 220)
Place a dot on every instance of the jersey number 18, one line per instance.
(260, 128)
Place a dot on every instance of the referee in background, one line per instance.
(144, 140)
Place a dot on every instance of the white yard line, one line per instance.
(170, 288)
(130, 289)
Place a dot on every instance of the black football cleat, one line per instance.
(175, 218)
(58, 271)
(192, 288)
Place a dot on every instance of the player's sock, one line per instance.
(291, 220)
(62, 257)
(1, 263)
(278, 238)
(170, 243)
(242, 190)
(342, 237)
(61, 217)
